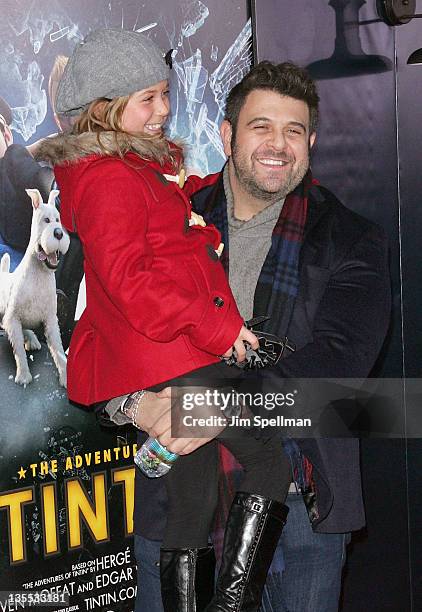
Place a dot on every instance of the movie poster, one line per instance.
(66, 484)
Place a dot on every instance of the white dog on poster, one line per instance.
(28, 295)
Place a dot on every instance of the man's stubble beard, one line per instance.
(248, 182)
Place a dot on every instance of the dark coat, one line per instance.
(20, 171)
(339, 322)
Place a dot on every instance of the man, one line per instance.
(319, 271)
(18, 171)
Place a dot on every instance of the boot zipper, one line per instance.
(193, 555)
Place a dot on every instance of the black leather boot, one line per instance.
(187, 578)
(253, 529)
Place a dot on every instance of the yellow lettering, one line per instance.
(94, 513)
(14, 501)
(49, 506)
(116, 451)
(126, 477)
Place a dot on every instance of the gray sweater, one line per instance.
(250, 242)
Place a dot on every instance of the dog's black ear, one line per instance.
(35, 196)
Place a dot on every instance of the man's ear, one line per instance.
(226, 136)
(312, 139)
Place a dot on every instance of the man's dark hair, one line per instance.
(286, 79)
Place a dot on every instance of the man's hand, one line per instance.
(153, 413)
(245, 335)
(154, 417)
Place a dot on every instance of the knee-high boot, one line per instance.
(187, 578)
(254, 526)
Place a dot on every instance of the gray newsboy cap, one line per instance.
(108, 64)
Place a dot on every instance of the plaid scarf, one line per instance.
(275, 296)
(278, 282)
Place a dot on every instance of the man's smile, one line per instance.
(272, 162)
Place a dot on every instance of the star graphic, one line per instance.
(21, 473)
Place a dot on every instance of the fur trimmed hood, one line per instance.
(71, 148)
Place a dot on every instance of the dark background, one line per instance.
(368, 153)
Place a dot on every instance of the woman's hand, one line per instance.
(245, 335)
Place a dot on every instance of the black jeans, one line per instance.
(191, 486)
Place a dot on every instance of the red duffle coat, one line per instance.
(158, 301)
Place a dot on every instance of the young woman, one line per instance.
(158, 306)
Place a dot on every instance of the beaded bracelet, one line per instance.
(132, 401)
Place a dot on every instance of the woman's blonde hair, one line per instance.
(104, 115)
(55, 75)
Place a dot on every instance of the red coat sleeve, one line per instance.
(112, 221)
(196, 183)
